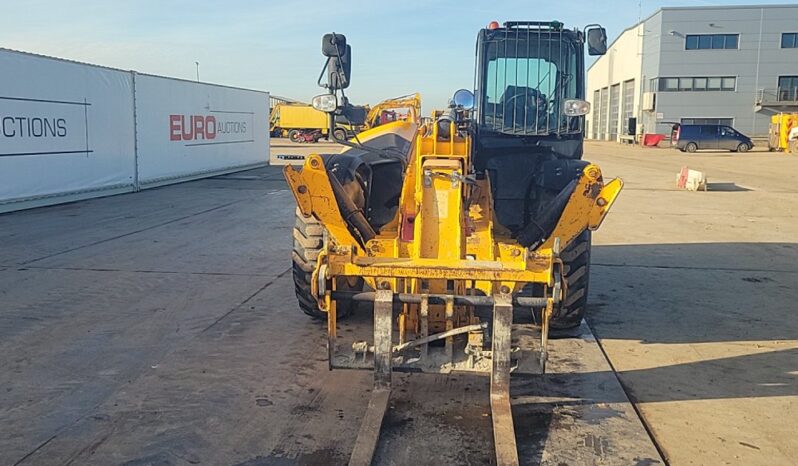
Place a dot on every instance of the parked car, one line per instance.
(690, 138)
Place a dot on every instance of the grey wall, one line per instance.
(756, 64)
(652, 32)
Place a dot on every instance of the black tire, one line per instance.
(340, 134)
(576, 262)
(293, 135)
(691, 147)
(308, 242)
(743, 147)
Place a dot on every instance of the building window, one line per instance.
(669, 84)
(688, 84)
(788, 88)
(708, 121)
(711, 41)
(789, 40)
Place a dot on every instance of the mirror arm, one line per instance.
(331, 126)
(321, 75)
(339, 69)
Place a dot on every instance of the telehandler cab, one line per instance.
(448, 226)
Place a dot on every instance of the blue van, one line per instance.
(690, 138)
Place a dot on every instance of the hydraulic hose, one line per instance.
(353, 215)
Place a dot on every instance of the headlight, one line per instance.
(575, 107)
(325, 103)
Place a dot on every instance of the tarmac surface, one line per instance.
(161, 328)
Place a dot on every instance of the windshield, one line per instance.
(527, 76)
(727, 131)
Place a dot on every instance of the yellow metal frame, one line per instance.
(448, 242)
(780, 126)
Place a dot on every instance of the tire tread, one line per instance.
(576, 259)
(308, 236)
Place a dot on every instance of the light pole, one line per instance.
(197, 63)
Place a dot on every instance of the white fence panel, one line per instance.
(66, 130)
(187, 129)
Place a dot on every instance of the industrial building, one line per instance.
(734, 65)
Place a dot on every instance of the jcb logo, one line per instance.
(191, 128)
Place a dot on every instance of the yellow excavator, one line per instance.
(407, 107)
(468, 235)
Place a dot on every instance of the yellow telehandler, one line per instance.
(782, 134)
(469, 234)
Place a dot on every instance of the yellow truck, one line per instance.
(296, 121)
(303, 123)
(783, 134)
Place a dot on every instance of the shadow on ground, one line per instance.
(726, 187)
(724, 298)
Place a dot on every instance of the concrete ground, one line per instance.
(160, 328)
(695, 300)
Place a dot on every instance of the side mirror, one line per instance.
(463, 98)
(333, 45)
(339, 70)
(596, 41)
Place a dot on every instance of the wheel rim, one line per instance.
(691, 147)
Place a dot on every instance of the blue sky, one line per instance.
(398, 47)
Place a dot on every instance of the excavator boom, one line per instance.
(410, 103)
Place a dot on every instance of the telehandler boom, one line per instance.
(449, 226)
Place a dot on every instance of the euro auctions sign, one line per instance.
(35, 126)
(185, 128)
(217, 127)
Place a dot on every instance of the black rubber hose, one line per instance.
(353, 216)
(538, 230)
